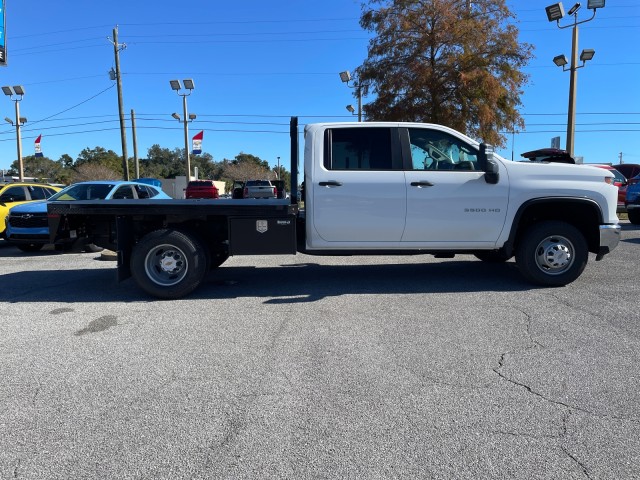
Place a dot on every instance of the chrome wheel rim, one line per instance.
(555, 255)
(166, 265)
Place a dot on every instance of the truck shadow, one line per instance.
(287, 283)
(309, 282)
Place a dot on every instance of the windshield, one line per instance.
(84, 191)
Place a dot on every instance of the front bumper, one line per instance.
(609, 239)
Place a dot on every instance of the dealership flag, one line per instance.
(197, 143)
(37, 145)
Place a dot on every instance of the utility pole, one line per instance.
(620, 157)
(136, 162)
(123, 131)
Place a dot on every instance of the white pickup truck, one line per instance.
(370, 188)
(259, 189)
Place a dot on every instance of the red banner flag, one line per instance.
(197, 143)
(37, 146)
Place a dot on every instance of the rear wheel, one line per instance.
(552, 254)
(169, 264)
(634, 216)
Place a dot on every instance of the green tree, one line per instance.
(452, 62)
(162, 163)
(100, 156)
(40, 168)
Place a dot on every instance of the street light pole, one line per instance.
(573, 79)
(123, 129)
(186, 136)
(555, 13)
(346, 78)
(19, 143)
(177, 86)
(16, 93)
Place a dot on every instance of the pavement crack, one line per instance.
(501, 362)
(577, 462)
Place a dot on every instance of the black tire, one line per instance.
(493, 256)
(30, 247)
(634, 216)
(552, 254)
(169, 264)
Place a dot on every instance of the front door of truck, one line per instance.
(359, 192)
(449, 203)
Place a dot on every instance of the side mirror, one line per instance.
(489, 164)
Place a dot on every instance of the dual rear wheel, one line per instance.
(170, 264)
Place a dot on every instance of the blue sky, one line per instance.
(255, 64)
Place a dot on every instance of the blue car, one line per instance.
(27, 224)
(632, 200)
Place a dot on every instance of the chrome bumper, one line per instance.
(609, 239)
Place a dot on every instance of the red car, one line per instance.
(201, 189)
(619, 181)
(629, 170)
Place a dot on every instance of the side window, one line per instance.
(142, 191)
(123, 192)
(49, 191)
(13, 194)
(435, 150)
(358, 149)
(37, 193)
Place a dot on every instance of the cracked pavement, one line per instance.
(336, 367)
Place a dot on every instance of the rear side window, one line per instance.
(358, 149)
(123, 192)
(38, 193)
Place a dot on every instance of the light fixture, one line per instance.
(175, 84)
(345, 76)
(574, 9)
(23, 119)
(19, 89)
(188, 84)
(8, 120)
(587, 54)
(593, 4)
(560, 60)
(350, 108)
(555, 12)
(8, 91)
(176, 116)
(192, 116)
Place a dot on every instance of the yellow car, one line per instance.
(12, 194)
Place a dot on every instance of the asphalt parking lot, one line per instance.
(320, 367)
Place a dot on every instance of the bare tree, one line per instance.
(94, 171)
(453, 62)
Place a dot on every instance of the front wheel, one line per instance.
(634, 216)
(169, 264)
(552, 254)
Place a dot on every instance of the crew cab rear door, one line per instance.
(358, 189)
(449, 203)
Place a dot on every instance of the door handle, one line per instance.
(330, 183)
(422, 183)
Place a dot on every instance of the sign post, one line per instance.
(3, 40)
